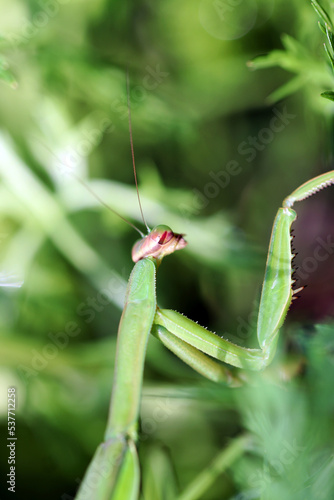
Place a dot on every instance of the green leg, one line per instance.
(102, 474)
(209, 343)
(275, 300)
(197, 359)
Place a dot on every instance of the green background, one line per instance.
(212, 164)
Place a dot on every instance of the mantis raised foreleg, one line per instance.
(277, 295)
(114, 471)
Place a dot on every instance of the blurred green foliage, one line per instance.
(217, 150)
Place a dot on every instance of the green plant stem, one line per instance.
(222, 461)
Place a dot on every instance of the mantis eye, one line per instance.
(161, 234)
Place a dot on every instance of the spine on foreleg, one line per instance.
(276, 290)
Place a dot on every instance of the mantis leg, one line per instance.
(209, 343)
(114, 469)
(199, 361)
(276, 297)
(275, 300)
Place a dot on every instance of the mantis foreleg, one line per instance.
(199, 361)
(276, 297)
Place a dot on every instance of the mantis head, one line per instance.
(159, 242)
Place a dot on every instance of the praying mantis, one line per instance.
(114, 472)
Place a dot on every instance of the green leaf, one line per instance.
(159, 481)
(330, 57)
(330, 37)
(288, 88)
(292, 45)
(322, 27)
(329, 94)
(322, 13)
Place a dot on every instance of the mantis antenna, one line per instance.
(97, 197)
(90, 190)
(132, 151)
